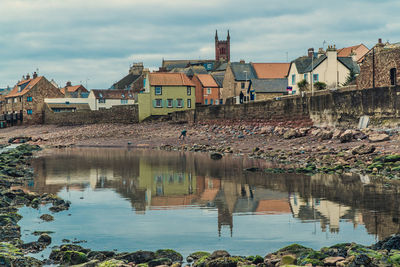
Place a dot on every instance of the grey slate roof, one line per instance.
(315, 63)
(219, 78)
(350, 64)
(302, 63)
(269, 85)
(239, 71)
(125, 82)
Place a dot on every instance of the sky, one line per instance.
(93, 42)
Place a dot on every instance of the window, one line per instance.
(15, 100)
(208, 91)
(179, 103)
(124, 101)
(206, 101)
(102, 100)
(29, 111)
(393, 76)
(316, 77)
(158, 90)
(189, 90)
(189, 103)
(305, 76)
(211, 101)
(9, 100)
(243, 85)
(158, 103)
(293, 79)
(169, 103)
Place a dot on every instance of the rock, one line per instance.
(376, 137)
(288, 260)
(363, 149)
(161, 261)
(197, 255)
(170, 254)
(267, 130)
(73, 257)
(331, 261)
(216, 156)
(137, 257)
(45, 238)
(326, 135)
(336, 133)
(392, 242)
(362, 259)
(47, 217)
(219, 254)
(291, 133)
(346, 136)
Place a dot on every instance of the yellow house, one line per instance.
(165, 93)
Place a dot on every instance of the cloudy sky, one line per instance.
(95, 41)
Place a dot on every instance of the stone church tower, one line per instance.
(222, 48)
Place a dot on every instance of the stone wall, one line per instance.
(341, 108)
(385, 60)
(116, 114)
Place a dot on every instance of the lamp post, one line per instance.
(312, 74)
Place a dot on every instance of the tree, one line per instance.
(320, 85)
(350, 78)
(303, 85)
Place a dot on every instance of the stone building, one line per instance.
(380, 67)
(75, 91)
(27, 98)
(134, 80)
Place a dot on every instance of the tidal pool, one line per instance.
(128, 200)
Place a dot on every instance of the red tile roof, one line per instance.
(359, 50)
(169, 79)
(29, 85)
(271, 70)
(207, 80)
(276, 206)
(72, 89)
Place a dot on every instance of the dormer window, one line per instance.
(19, 88)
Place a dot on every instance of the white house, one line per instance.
(325, 67)
(106, 98)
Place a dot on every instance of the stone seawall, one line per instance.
(116, 114)
(342, 108)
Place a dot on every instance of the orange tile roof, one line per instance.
(30, 84)
(277, 206)
(72, 89)
(207, 80)
(271, 70)
(170, 79)
(360, 50)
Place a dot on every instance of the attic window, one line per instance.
(101, 95)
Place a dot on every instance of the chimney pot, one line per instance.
(28, 76)
(379, 40)
(242, 61)
(68, 84)
(310, 52)
(34, 75)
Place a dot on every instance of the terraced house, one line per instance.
(165, 93)
(26, 100)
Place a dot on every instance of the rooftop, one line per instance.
(207, 80)
(112, 94)
(169, 79)
(271, 70)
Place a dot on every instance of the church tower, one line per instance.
(222, 48)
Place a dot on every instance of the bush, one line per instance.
(320, 85)
(303, 85)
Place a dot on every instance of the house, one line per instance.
(134, 79)
(165, 93)
(264, 89)
(107, 98)
(357, 52)
(326, 67)
(236, 80)
(27, 98)
(380, 67)
(78, 91)
(271, 80)
(207, 89)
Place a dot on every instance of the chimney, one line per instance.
(379, 40)
(321, 52)
(242, 61)
(68, 84)
(34, 75)
(28, 76)
(310, 52)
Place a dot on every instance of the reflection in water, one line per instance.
(164, 180)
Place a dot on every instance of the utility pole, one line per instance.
(312, 74)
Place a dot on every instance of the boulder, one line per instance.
(219, 254)
(47, 217)
(331, 261)
(267, 130)
(289, 134)
(158, 262)
(45, 239)
(137, 257)
(170, 254)
(363, 149)
(378, 137)
(346, 136)
(326, 135)
(336, 133)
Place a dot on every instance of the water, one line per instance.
(137, 199)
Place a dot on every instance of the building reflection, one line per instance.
(153, 180)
